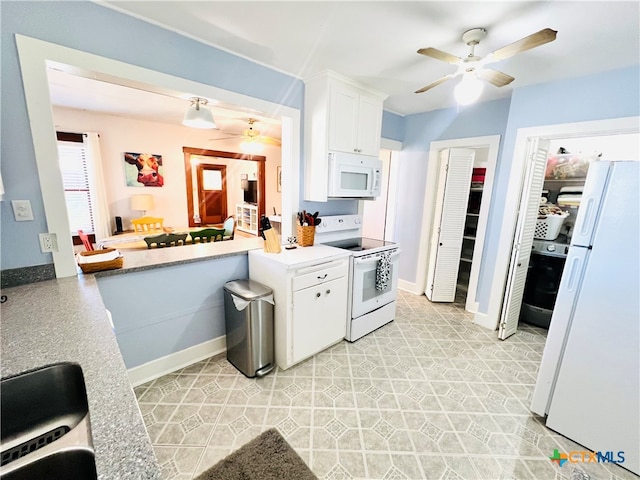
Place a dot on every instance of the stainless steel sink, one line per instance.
(45, 426)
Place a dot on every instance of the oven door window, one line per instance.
(365, 296)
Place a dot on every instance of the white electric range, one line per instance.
(372, 303)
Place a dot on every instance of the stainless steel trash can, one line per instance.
(248, 309)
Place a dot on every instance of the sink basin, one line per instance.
(44, 424)
(75, 463)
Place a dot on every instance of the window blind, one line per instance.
(75, 178)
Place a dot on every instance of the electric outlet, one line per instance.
(48, 242)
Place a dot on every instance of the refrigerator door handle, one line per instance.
(587, 222)
(575, 267)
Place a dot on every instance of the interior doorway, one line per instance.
(212, 193)
(198, 160)
(553, 182)
(379, 215)
(523, 195)
(486, 150)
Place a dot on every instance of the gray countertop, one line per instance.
(65, 320)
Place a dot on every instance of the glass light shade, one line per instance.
(142, 202)
(469, 89)
(198, 115)
(251, 146)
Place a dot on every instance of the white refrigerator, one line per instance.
(588, 384)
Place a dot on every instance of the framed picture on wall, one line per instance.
(279, 178)
(143, 170)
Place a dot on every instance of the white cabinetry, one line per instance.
(310, 290)
(247, 218)
(340, 115)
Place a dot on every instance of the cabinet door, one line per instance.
(343, 119)
(319, 317)
(369, 125)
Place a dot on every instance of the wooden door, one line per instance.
(212, 193)
(451, 209)
(525, 227)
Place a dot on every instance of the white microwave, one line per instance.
(354, 176)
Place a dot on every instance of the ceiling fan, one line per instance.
(250, 135)
(474, 68)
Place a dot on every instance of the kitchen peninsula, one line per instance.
(65, 320)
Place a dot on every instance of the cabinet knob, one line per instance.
(318, 295)
(328, 292)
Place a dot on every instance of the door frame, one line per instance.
(612, 126)
(394, 147)
(492, 142)
(36, 55)
(202, 152)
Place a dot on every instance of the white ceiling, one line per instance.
(375, 42)
(372, 42)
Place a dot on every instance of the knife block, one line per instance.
(271, 243)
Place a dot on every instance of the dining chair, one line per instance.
(147, 224)
(207, 235)
(229, 226)
(85, 241)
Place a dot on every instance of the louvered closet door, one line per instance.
(523, 240)
(458, 167)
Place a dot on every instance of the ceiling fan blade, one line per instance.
(440, 55)
(494, 77)
(436, 83)
(527, 43)
(269, 141)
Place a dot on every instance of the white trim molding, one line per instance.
(175, 361)
(409, 287)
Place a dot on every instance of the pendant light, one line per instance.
(469, 88)
(198, 114)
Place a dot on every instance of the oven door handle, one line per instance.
(364, 261)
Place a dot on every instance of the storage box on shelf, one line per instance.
(548, 228)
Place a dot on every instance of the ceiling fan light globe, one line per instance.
(198, 116)
(251, 146)
(469, 89)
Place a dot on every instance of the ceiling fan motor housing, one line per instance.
(473, 36)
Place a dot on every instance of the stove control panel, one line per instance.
(339, 223)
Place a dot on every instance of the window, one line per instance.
(75, 178)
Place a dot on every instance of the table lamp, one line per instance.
(142, 202)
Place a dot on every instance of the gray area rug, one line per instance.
(266, 457)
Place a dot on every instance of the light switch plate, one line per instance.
(22, 210)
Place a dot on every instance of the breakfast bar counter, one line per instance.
(65, 320)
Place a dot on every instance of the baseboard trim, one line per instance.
(409, 287)
(483, 320)
(170, 363)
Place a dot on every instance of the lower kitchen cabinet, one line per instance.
(310, 291)
(319, 317)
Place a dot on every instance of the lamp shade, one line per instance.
(469, 89)
(198, 114)
(142, 202)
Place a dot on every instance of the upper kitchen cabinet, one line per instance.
(340, 115)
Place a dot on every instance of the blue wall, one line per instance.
(98, 30)
(104, 32)
(612, 94)
(488, 118)
(184, 308)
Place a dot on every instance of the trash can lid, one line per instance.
(247, 289)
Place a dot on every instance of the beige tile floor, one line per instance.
(428, 396)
